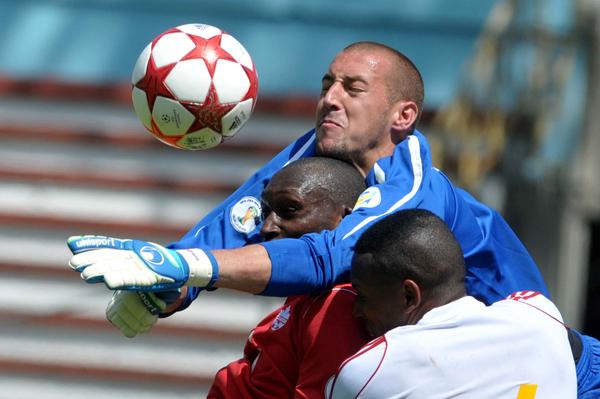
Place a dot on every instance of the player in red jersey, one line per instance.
(296, 349)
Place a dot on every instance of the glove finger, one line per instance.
(119, 322)
(126, 312)
(136, 317)
(81, 261)
(126, 280)
(94, 273)
(124, 267)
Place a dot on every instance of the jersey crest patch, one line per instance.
(369, 198)
(281, 319)
(245, 215)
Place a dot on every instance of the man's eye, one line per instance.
(266, 211)
(288, 212)
(326, 83)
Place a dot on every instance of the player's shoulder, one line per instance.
(342, 290)
(533, 300)
(328, 310)
(339, 297)
(369, 357)
(529, 297)
(357, 371)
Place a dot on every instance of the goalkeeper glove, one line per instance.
(135, 312)
(136, 265)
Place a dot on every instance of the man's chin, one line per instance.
(331, 150)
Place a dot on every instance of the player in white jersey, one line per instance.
(437, 342)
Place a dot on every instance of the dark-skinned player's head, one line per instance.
(405, 265)
(309, 195)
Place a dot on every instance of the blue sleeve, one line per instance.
(236, 221)
(497, 262)
(216, 230)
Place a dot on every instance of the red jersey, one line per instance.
(296, 349)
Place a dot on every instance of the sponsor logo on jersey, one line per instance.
(369, 198)
(245, 215)
(281, 319)
(152, 255)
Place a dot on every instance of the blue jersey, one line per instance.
(497, 262)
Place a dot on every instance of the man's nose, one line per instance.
(270, 229)
(331, 98)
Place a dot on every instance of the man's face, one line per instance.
(377, 302)
(290, 209)
(353, 112)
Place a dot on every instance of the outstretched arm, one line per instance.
(145, 266)
(278, 268)
(244, 269)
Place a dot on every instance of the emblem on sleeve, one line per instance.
(245, 215)
(281, 319)
(369, 198)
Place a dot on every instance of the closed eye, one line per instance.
(266, 211)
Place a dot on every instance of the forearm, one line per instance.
(244, 269)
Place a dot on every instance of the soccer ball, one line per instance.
(194, 86)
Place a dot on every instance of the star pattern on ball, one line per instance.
(209, 113)
(153, 82)
(252, 78)
(209, 50)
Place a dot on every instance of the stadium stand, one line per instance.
(73, 161)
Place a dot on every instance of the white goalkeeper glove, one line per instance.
(135, 312)
(135, 265)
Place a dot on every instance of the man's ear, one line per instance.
(344, 211)
(347, 211)
(412, 295)
(405, 116)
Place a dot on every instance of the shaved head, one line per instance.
(308, 196)
(405, 81)
(339, 180)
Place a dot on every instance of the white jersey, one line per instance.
(515, 349)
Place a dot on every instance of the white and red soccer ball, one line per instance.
(194, 86)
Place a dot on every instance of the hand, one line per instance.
(135, 265)
(135, 312)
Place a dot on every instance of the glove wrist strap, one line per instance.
(203, 267)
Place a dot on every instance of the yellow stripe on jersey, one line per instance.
(527, 391)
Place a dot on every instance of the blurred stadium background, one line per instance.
(512, 101)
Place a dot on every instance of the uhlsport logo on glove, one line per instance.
(152, 255)
(94, 242)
